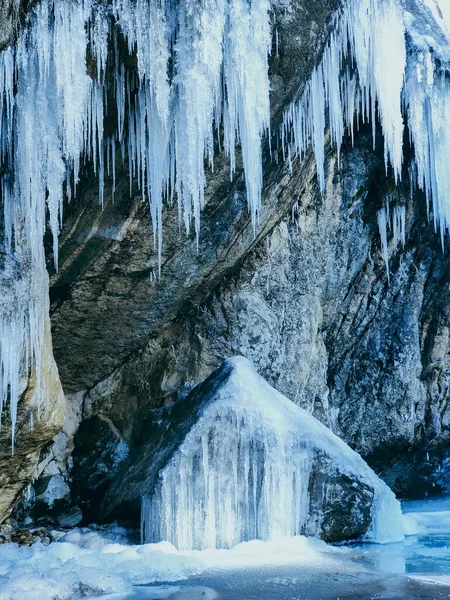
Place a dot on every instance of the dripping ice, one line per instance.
(385, 59)
(396, 221)
(243, 472)
(49, 82)
(165, 126)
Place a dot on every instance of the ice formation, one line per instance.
(397, 225)
(202, 69)
(243, 472)
(199, 65)
(390, 60)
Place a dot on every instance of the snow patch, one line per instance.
(87, 563)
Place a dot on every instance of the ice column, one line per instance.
(234, 479)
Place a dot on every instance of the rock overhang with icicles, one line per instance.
(236, 460)
(385, 59)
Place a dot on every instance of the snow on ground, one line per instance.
(86, 562)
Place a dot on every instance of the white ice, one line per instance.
(106, 564)
(243, 472)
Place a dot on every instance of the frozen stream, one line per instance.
(90, 563)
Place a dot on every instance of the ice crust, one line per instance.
(243, 472)
(202, 69)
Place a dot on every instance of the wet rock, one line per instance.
(70, 516)
(312, 308)
(106, 302)
(28, 537)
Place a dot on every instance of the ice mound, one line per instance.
(237, 461)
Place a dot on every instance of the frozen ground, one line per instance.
(88, 563)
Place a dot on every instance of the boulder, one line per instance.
(235, 460)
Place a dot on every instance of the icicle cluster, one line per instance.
(200, 66)
(388, 62)
(235, 479)
(362, 68)
(220, 51)
(42, 93)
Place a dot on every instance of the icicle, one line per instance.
(247, 112)
(374, 36)
(383, 221)
(198, 79)
(399, 225)
(49, 109)
(318, 123)
(396, 221)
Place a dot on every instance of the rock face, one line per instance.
(8, 21)
(235, 460)
(307, 300)
(33, 435)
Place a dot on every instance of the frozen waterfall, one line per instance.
(243, 472)
(201, 73)
(200, 65)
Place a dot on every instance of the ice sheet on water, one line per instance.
(427, 517)
(433, 579)
(430, 522)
